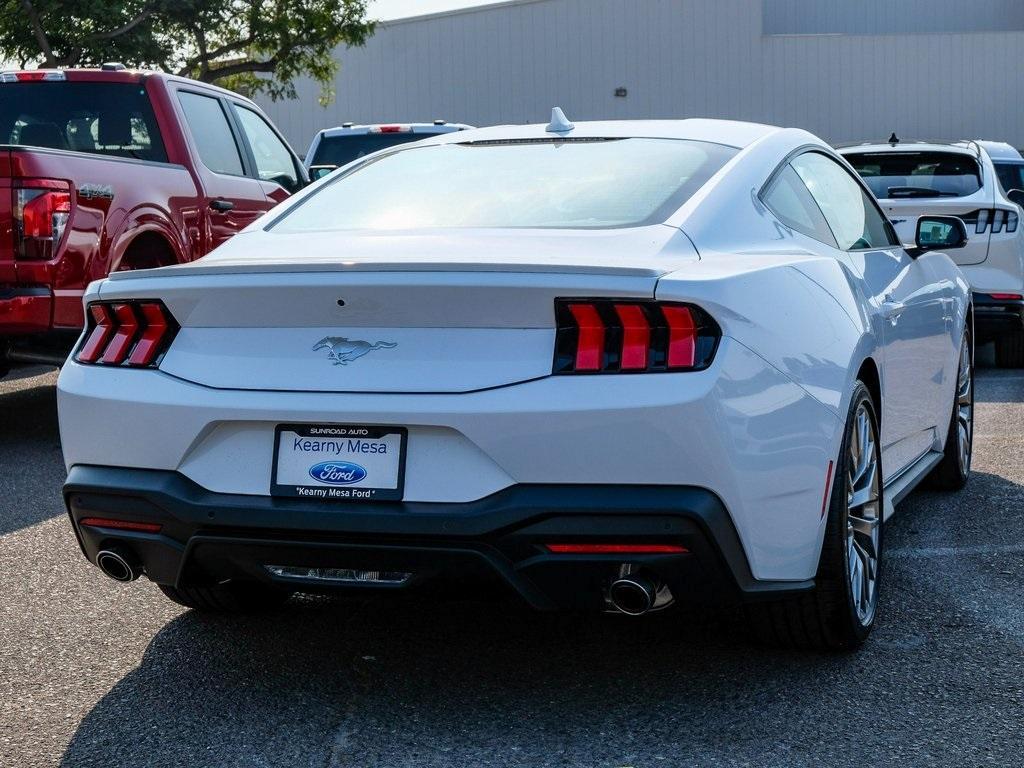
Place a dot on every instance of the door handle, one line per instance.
(223, 206)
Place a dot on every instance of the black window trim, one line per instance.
(845, 165)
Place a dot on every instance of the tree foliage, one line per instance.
(250, 45)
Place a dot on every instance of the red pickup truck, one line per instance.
(109, 169)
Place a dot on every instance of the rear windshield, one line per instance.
(587, 184)
(113, 119)
(342, 150)
(1011, 176)
(917, 174)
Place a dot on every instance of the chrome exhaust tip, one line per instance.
(119, 564)
(632, 595)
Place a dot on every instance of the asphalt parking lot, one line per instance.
(94, 673)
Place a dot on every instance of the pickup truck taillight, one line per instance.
(133, 333)
(632, 336)
(41, 212)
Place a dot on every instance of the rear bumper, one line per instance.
(207, 537)
(993, 317)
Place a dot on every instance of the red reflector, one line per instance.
(149, 344)
(682, 336)
(1006, 296)
(127, 326)
(121, 525)
(636, 336)
(100, 336)
(590, 348)
(616, 549)
(31, 77)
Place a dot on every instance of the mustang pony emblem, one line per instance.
(343, 351)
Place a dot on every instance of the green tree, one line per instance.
(249, 45)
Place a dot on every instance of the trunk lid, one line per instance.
(399, 313)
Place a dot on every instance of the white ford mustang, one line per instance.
(616, 365)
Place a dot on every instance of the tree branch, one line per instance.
(240, 68)
(205, 57)
(40, 35)
(144, 14)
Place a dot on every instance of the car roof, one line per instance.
(727, 132)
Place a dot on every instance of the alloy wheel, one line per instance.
(863, 514)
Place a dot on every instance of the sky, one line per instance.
(396, 9)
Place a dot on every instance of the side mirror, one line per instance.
(1016, 196)
(317, 172)
(939, 233)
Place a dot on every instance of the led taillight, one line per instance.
(632, 336)
(590, 343)
(130, 333)
(41, 215)
(616, 549)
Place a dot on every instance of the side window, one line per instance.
(789, 200)
(273, 160)
(852, 216)
(212, 133)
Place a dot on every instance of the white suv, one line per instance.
(335, 147)
(960, 179)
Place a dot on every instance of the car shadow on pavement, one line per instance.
(407, 681)
(31, 465)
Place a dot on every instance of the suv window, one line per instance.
(274, 160)
(917, 174)
(114, 119)
(342, 150)
(211, 133)
(851, 214)
(1011, 176)
(789, 200)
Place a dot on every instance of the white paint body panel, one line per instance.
(472, 313)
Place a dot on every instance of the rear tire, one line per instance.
(1010, 350)
(952, 473)
(839, 613)
(232, 597)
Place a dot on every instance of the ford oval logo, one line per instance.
(337, 472)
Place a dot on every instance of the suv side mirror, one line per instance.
(939, 233)
(1016, 196)
(317, 172)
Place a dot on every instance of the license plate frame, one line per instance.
(342, 489)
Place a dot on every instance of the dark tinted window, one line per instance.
(789, 200)
(917, 174)
(538, 184)
(851, 214)
(100, 118)
(212, 133)
(341, 150)
(1011, 176)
